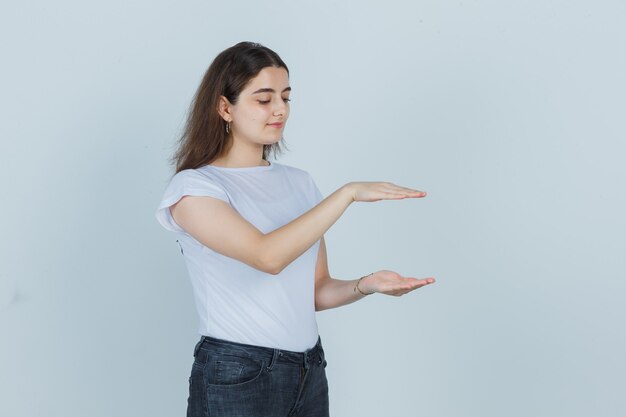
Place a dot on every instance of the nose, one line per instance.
(281, 108)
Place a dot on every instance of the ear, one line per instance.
(223, 108)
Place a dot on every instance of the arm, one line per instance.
(331, 293)
(215, 224)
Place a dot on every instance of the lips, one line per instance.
(276, 124)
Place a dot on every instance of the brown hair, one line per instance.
(204, 137)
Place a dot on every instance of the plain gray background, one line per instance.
(509, 114)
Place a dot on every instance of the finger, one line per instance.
(424, 281)
(414, 286)
(410, 288)
(407, 284)
(403, 289)
(407, 190)
(393, 197)
(418, 281)
(419, 286)
(409, 193)
(390, 190)
(398, 187)
(413, 190)
(403, 190)
(389, 195)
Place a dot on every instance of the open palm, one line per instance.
(392, 283)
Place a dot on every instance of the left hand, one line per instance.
(392, 283)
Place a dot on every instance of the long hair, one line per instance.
(204, 137)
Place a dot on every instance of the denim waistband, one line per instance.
(270, 355)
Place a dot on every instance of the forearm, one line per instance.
(288, 242)
(336, 293)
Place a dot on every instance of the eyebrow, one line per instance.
(269, 90)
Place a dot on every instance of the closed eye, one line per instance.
(267, 101)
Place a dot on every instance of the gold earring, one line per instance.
(227, 128)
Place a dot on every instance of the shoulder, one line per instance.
(193, 176)
(198, 182)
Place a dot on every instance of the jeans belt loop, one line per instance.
(273, 360)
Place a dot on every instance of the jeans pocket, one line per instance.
(230, 370)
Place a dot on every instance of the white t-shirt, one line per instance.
(235, 301)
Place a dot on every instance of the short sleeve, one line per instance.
(187, 182)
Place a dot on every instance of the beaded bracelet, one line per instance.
(356, 287)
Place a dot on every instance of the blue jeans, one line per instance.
(230, 379)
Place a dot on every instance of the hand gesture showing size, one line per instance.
(391, 283)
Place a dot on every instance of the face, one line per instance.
(262, 109)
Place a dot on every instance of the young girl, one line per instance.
(252, 235)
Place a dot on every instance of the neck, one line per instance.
(241, 154)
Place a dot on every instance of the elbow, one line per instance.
(266, 261)
(274, 270)
(270, 266)
(320, 302)
(319, 306)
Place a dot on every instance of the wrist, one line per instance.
(348, 192)
(358, 286)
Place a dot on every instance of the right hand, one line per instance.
(375, 191)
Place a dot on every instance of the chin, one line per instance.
(274, 140)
